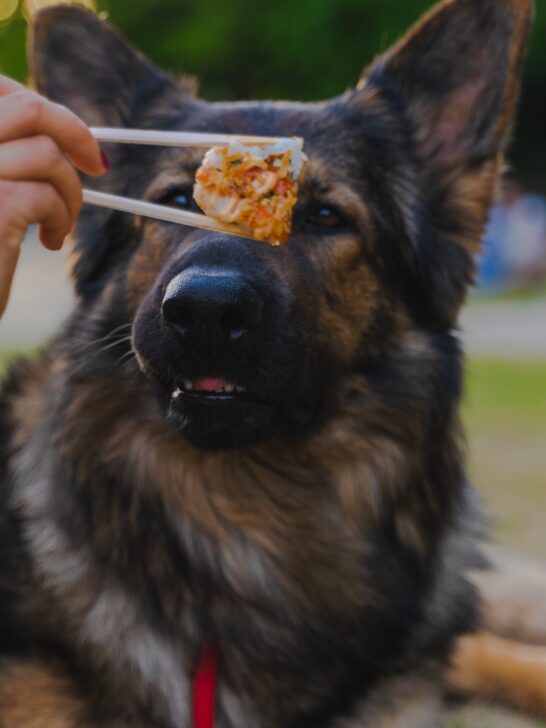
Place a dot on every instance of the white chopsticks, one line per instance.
(160, 212)
(175, 138)
(167, 139)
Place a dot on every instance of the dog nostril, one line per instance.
(179, 316)
(184, 318)
(233, 322)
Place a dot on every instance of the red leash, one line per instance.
(204, 688)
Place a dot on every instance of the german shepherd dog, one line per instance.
(251, 450)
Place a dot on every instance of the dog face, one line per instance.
(238, 341)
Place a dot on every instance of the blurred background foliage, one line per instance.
(304, 49)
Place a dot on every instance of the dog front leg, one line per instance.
(35, 695)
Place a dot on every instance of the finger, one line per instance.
(40, 159)
(9, 255)
(25, 113)
(25, 203)
(52, 238)
(9, 86)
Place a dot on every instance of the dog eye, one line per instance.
(181, 198)
(327, 217)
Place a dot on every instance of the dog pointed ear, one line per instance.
(453, 83)
(457, 75)
(82, 62)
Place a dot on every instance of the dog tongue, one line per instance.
(209, 384)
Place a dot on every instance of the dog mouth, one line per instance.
(215, 413)
(213, 391)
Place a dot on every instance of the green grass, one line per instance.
(7, 356)
(505, 417)
(510, 391)
(515, 295)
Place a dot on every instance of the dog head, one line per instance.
(237, 341)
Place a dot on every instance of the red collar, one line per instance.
(204, 688)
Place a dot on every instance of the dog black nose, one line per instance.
(209, 307)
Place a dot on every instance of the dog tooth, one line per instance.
(229, 388)
(177, 392)
(188, 384)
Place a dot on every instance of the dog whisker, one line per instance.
(124, 359)
(91, 357)
(112, 345)
(118, 332)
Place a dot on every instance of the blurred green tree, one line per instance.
(305, 49)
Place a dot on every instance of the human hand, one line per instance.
(41, 146)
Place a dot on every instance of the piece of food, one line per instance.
(254, 188)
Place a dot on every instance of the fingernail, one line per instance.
(105, 162)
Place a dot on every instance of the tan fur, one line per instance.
(145, 267)
(357, 299)
(34, 695)
(470, 195)
(499, 669)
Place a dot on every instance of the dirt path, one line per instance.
(41, 297)
(506, 330)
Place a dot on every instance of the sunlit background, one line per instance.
(312, 49)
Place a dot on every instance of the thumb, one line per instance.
(9, 255)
